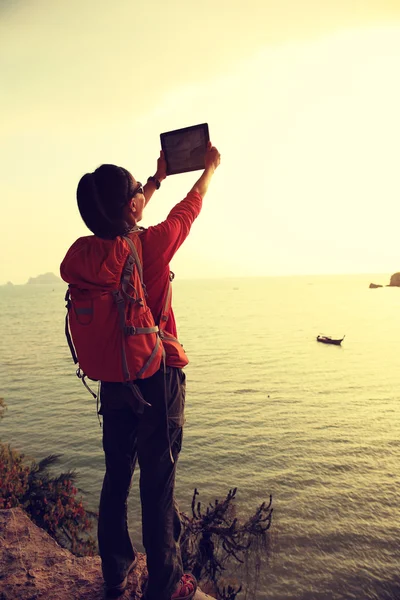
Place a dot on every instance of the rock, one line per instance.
(44, 278)
(395, 280)
(33, 565)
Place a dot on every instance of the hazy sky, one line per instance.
(302, 99)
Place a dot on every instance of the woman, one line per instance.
(111, 202)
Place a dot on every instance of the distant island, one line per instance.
(44, 278)
(394, 282)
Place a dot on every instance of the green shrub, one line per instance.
(50, 501)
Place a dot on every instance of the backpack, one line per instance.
(109, 327)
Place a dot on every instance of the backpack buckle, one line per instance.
(118, 298)
(129, 330)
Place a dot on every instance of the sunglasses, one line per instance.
(138, 189)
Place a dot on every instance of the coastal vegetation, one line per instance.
(51, 501)
(215, 541)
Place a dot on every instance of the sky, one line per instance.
(301, 97)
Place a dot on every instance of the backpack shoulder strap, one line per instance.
(67, 331)
(135, 254)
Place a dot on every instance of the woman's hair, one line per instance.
(102, 196)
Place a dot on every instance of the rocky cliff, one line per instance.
(33, 565)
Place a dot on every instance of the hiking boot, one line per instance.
(113, 591)
(186, 588)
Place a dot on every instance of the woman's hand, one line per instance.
(212, 158)
(211, 161)
(161, 172)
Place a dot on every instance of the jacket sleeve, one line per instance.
(166, 237)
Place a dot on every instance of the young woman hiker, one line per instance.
(142, 418)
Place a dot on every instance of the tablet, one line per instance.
(184, 149)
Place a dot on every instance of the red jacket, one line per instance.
(159, 245)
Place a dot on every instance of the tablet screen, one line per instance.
(184, 149)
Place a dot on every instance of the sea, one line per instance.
(269, 411)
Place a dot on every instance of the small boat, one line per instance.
(327, 339)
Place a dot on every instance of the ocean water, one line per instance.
(269, 410)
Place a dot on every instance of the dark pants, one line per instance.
(132, 432)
